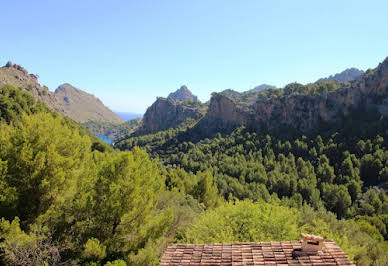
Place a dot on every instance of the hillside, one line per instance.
(15, 75)
(336, 132)
(167, 113)
(113, 131)
(82, 106)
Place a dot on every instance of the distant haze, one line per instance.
(128, 116)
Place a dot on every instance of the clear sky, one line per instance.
(128, 52)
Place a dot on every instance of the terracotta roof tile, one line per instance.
(263, 253)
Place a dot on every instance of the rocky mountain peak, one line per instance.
(167, 113)
(9, 64)
(183, 94)
(65, 86)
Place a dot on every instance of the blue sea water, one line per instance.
(128, 116)
(105, 139)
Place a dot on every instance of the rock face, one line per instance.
(82, 106)
(15, 75)
(301, 112)
(223, 115)
(168, 113)
(347, 75)
(183, 94)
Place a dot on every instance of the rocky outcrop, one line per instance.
(168, 113)
(15, 75)
(223, 115)
(226, 110)
(301, 112)
(82, 106)
(183, 94)
(347, 75)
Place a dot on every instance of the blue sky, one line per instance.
(128, 52)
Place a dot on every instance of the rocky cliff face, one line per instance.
(82, 106)
(223, 114)
(183, 94)
(168, 113)
(302, 112)
(15, 75)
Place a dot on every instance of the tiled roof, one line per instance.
(262, 253)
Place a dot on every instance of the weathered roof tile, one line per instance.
(262, 253)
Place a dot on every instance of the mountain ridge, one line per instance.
(302, 112)
(83, 106)
(17, 76)
(347, 75)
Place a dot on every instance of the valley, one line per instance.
(315, 153)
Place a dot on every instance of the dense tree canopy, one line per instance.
(336, 171)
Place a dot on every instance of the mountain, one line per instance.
(178, 108)
(347, 75)
(128, 116)
(82, 106)
(297, 106)
(67, 100)
(183, 94)
(167, 113)
(15, 75)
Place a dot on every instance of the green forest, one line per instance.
(66, 198)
